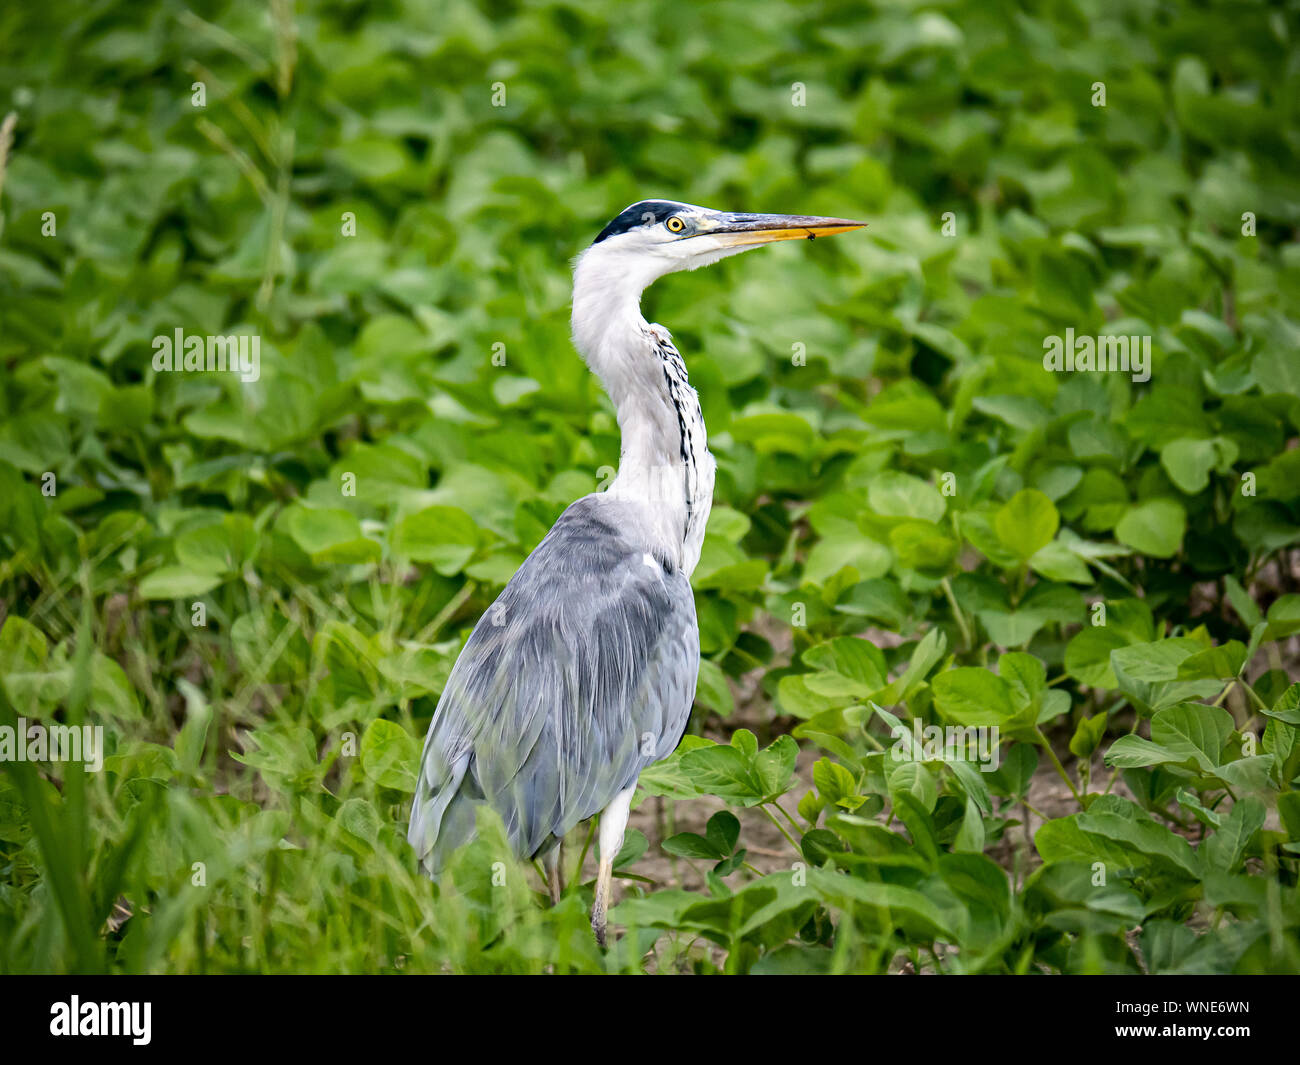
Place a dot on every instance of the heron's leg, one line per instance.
(613, 822)
(554, 872)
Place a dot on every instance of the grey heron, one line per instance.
(583, 671)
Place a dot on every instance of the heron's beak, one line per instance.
(740, 229)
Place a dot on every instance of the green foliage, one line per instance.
(258, 587)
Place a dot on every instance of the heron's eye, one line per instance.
(675, 224)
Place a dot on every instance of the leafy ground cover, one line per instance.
(257, 587)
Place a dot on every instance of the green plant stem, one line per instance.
(1038, 733)
(793, 823)
(582, 858)
(780, 827)
(956, 613)
(1253, 694)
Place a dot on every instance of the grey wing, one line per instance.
(580, 675)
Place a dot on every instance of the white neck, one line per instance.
(646, 381)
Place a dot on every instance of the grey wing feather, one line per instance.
(580, 675)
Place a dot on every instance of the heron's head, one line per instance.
(657, 237)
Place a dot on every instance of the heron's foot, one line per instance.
(600, 908)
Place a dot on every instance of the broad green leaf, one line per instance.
(835, 784)
(1217, 662)
(899, 495)
(970, 837)
(389, 755)
(856, 660)
(330, 535)
(1189, 461)
(922, 545)
(1154, 528)
(444, 537)
(1087, 656)
(1287, 706)
(969, 695)
(177, 582)
(888, 904)
(1027, 523)
(916, 780)
(1193, 729)
(692, 845)
(1226, 847)
(1057, 562)
(1087, 735)
(219, 548)
(1283, 617)
(713, 691)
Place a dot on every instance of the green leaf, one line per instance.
(330, 535)
(857, 662)
(886, 904)
(913, 778)
(1159, 660)
(1276, 371)
(1283, 618)
(1120, 834)
(694, 846)
(1226, 847)
(723, 831)
(360, 818)
(970, 836)
(841, 547)
(713, 691)
(1057, 562)
(177, 582)
(775, 766)
(1016, 772)
(284, 756)
(724, 771)
(1087, 735)
(1217, 662)
(1189, 462)
(833, 781)
(969, 695)
(1128, 752)
(899, 495)
(927, 652)
(444, 537)
(220, 548)
(1027, 523)
(1194, 730)
(389, 755)
(1155, 527)
(922, 545)
(1247, 774)
(1087, 656)
(1287, 706)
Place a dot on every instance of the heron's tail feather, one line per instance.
(438, 824)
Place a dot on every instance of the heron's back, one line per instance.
(580, 675)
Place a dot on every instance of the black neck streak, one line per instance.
(686, 407)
